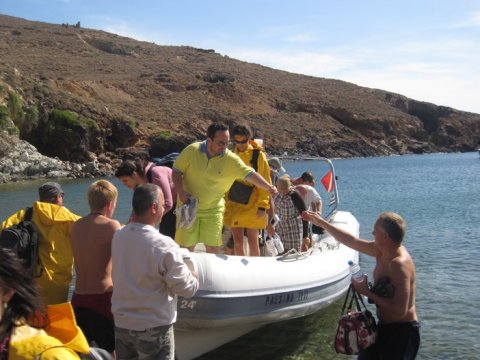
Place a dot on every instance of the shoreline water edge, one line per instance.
(21, 161)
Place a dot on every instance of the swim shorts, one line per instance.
(206, 229)
(94, 316)
(395, 341)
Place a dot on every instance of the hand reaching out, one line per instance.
(311, 216)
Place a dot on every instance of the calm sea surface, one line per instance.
(439, 197)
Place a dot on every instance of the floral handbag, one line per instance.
(356, 329)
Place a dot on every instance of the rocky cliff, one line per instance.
(83, 95)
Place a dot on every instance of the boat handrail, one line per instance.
(334, 200)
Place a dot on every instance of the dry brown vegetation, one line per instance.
(146, 96)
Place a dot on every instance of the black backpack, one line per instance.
(22, 238)
(167, 161)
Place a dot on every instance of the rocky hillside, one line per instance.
(80, 94)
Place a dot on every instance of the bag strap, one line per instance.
(352, 296)
(28, 214)
(297, 201)
(254, 161)
(34, 249)
(359, 300)
(346, 300)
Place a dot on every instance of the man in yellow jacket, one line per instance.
(54, 223)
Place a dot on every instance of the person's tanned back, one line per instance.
(91, 243)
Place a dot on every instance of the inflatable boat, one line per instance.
(238, 294)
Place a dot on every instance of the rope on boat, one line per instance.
(294, 254)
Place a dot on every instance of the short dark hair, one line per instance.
(144, 196)
(128, 167)
(394, 225)
(242, 130)
(213, 128)
(308, 176)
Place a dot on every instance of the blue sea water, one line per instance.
(439, 197)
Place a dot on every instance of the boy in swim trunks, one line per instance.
(91, 242)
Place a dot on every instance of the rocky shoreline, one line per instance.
(19, 161)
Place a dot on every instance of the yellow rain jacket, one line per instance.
(54, 224)
(61, 340)
(245, 215)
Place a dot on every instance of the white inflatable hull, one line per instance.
(238, 294)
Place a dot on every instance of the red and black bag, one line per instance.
(357, 329)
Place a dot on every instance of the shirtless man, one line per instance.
(91, 242)
(398, 330)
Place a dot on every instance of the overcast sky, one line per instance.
(428, 50)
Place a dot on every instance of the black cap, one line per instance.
(49, 190)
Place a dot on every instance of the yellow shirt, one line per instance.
(208, 179)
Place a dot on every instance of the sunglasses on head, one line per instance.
(240, 142)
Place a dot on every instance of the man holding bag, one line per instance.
(398, 328)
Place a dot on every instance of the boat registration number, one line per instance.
(290, 297)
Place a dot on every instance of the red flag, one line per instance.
(327, 181)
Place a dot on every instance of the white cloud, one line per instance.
(301, 38)
(472, 21)
(124, 28)
(441, 90)
(310, 63)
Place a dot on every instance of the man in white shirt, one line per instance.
(305, 185)
(148, 273)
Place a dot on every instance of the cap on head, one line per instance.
(49, 190)
(276, 164)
